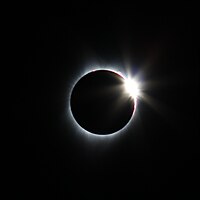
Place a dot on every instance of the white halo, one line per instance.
(75, 124)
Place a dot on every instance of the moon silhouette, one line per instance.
(99, 103)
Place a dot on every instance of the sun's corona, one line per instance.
(130, 88)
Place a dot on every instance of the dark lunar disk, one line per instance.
(99, 103)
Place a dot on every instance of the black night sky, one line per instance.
(159, 152)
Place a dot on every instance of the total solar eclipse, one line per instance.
(103, 101)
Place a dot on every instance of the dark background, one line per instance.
(159, 152)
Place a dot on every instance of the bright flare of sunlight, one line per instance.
(132, 87)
